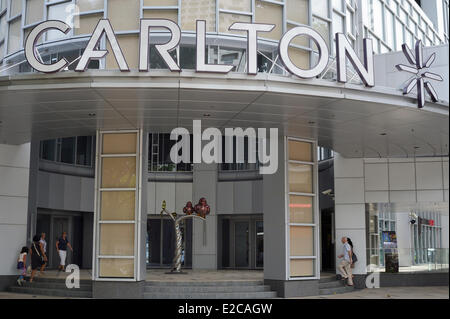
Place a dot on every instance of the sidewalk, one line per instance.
(391, 293)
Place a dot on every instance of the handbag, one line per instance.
(354, 258)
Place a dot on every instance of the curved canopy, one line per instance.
(350, 119)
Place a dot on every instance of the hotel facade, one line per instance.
(358, 93)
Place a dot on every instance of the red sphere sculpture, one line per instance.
(202, 208)
(188, 209)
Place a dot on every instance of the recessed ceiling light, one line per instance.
(416, 147)
(311, 122)
(383, 134)
(92, 114)
(206, 115)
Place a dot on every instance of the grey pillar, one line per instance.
(204, 241)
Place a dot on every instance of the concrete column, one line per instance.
(275, 195)
(109, 284)
(350, 211)
(14, 177)
(204, 237)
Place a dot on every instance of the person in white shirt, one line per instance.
(44, 247)
(345, 265)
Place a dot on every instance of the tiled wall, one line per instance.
(397, 180)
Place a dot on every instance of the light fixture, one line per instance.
(206, 115)
(383, 134)
(92, 114)
(311, 122)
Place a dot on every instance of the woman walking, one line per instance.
(21, 262)
(37, 256)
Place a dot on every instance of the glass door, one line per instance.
(242, 244)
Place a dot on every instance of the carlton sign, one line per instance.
(344, 49)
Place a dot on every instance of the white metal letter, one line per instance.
(201, 45)
(345, 50)
(252, 41)
(103, 26)
(318, 40)
(163, 49)
(30, 46)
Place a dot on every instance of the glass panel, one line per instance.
(270, 13)
(302, 267)
(302, 241)
(119, 172)
(300, 178)
(118, 9)
(84, 150)
(297, 11)
(34, 11)
(161, 14)
(58, 12)
(241, 241)
(3, 27)
(117, 239)
(338, 4)
(68, 150)
(390, 29)
(48, 150)
(117, 205)
(259, 244)
(226, 19)
(87, 23)
(378, 18)
(168, 242)
(322, 27)
(338, 23)
(90, 5)
(14, 36)
(301, 209)
(398, 34)
(124, 143)
(154, 242)
(110, 267)
(192, 10)
(300, 151)
(161, 3)
(237, 5)
(16, 8)
(320, 7)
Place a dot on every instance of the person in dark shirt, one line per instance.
(61, 248)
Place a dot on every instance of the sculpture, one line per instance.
(201, 209)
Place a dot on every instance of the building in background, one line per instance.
(353, 161)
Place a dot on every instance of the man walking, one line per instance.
(345, 265)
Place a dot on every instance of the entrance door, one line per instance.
(161, 242)
(327, 231)
(241, 244)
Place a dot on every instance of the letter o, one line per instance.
(318, 40)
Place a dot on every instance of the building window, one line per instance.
(245, 165)
(70, 150)
(159, 154)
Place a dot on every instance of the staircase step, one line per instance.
(327, 279)
(206, 283)
(55, 285)
(335, 291)
(73, 293)
(58, 280)
(205, 289)
(331, 284)
(218, 295)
